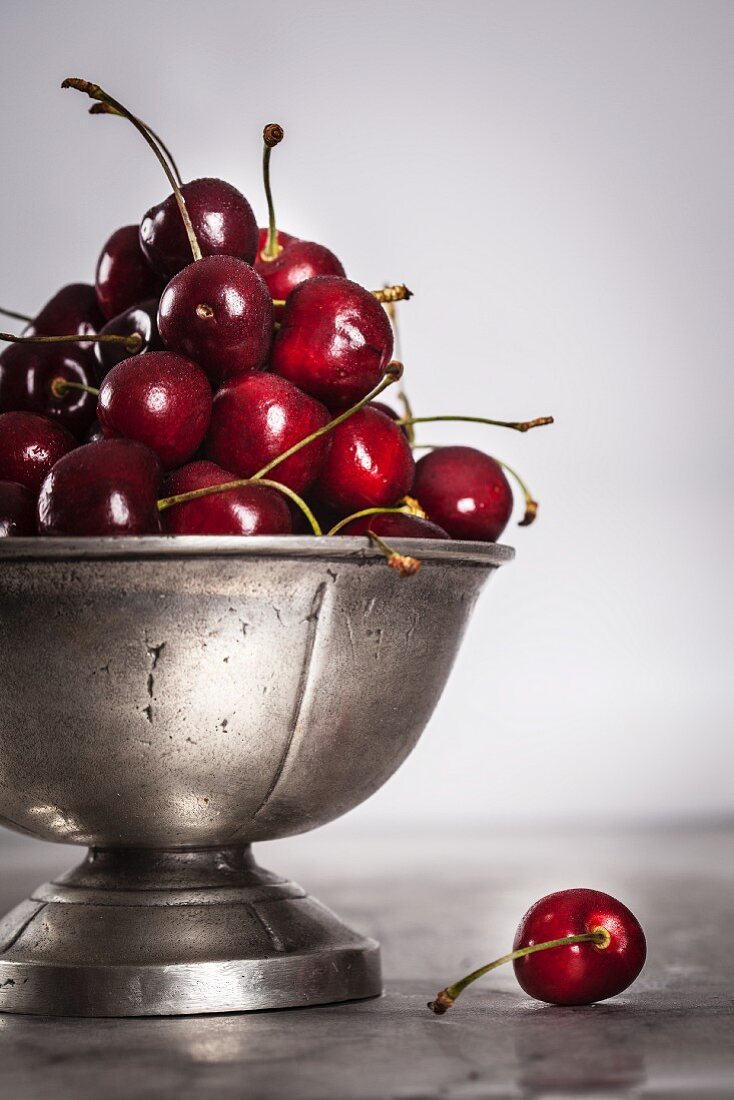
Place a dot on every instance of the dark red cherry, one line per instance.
(72, 310)
(370, 464)
(218, 312)
(394, 525)
(464, 491)
(223, 222)
(27, 373)
(143, 319)
(262, 240)
(107, 488)
(582, 973)
(298, 261)
(335, 340)
(249, 510)
(161, 399)
(29, 446)
(124, 276)
(17, 510)
(258, 416)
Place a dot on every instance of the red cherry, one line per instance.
(72, 310)
(143, 319)
(107, 488)
(218, 312)
(27, 374)
(335, 340)
(222, 219)
(464, 491)
(581, 973)
(160, 399)
(29, 446)
(370, 464)
(398, 525)
(17, 510)
(296, 262)
(248, 510)
(258, 416)
(262, 239)
(124, 276)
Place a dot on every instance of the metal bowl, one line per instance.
(192, 695)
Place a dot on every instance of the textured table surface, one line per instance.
(439, 904)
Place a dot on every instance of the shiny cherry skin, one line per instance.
(27, 373)
(102, 489)
(124, 276)
(218, 311)
(370, 464)
(29, 446)
(17, 510)
(464, 491)
(335, 340)
(223, 222)
(161, 399)
(394, 525)
(143, 319)
(296, 262)
(249, 510)
(582, 973)
(258, 416)
(73, 309)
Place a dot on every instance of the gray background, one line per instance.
(554, 181)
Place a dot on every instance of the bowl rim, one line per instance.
(308, 547)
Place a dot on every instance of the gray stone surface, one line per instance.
(439, 904)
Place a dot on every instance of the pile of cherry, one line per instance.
(221, 379)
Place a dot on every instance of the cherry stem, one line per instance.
(402, 396)
(386, 294)
(401, 563)
(61, 386)
(107, 109)
(272, 135)
(16, 316)
(518, 426)
(444, 1000)
(132, 343)
(368, 512)
(95, 92)
(531, 505)
(195, 494)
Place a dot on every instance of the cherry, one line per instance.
(218, 311)
(370, 464)
(107, 488)
(143, 319)
(248, 510)
(124, 276)
(72, 311)
(29, 446)
(573, 947)
(27, 374)
(258, 416)
(282, 260)
(398, 525)
(464, 491)
(160, 399)
(17, 510)
(222, 220)
(335, 340)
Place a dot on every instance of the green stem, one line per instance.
(240, 483)
(107, 109)
(131, 343)
(445, 999)
(531, 505)
(16, 316)
(403, 564)
(95, 92)
(272, 136)
(60, 386)
(368, 512)
(393, 373)
(518, 426)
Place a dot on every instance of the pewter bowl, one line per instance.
(167, 701)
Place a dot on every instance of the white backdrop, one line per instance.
(554, 180)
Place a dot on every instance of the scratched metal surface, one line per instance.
(439, 902)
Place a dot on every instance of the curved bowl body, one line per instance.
(192, 692)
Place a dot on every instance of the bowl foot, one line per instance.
(169, 933)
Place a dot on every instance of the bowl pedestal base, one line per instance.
(145, 932)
